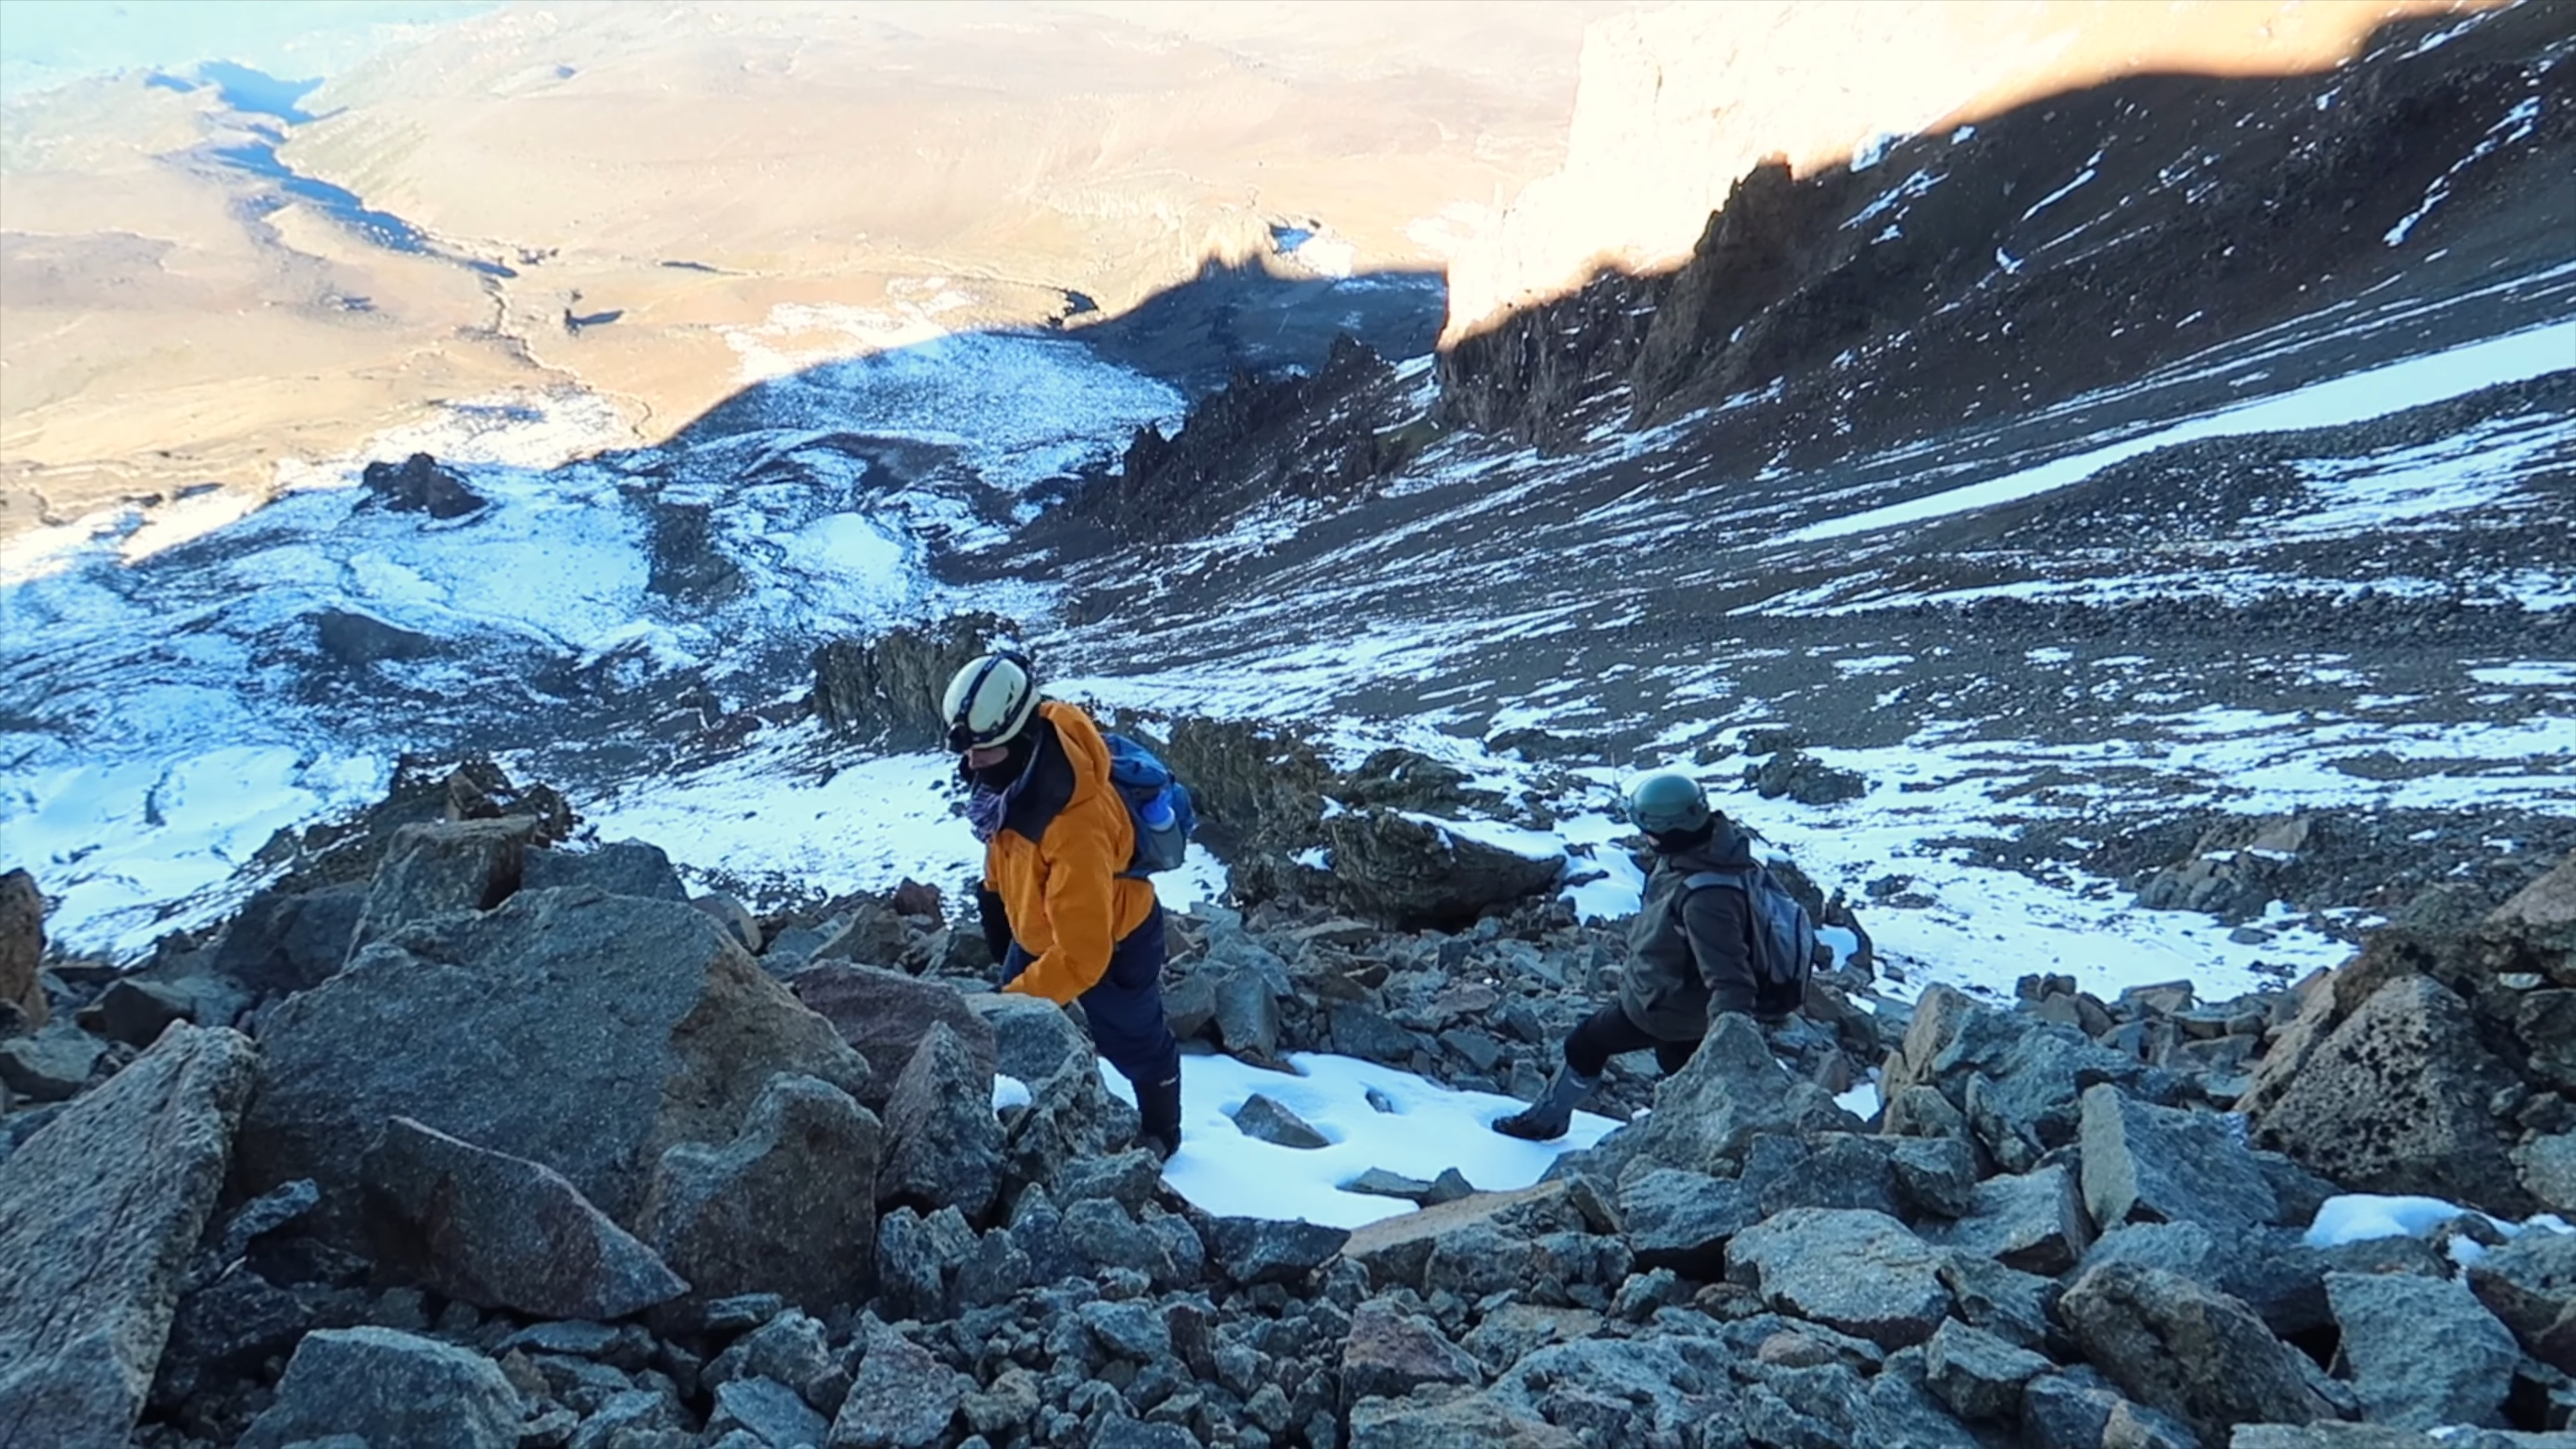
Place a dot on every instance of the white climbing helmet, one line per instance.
(990, 701)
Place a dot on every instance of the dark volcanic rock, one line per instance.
(2168, 1164)
(502, 1232)
(1857, 1271)
(787, 1206)
(419, 485)
(286, 941)
(2397, 1100)
(2530, 1284)
(430, 870)
(1390, 1352)
(103, 1208)
(1417, 874)
(903, 1397)
(943, 1146)
(2192, 1352)
(619, 868)
(589, 1033)
(886, 1015)
(356, 639)
(2422, 1352)
(888, 689)
(1708, 1113)
(1681, 1220)
(1263, 1250)
(1267, 1121)
(386, 1387)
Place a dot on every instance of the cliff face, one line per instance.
(1674, 105)
(2069, 243)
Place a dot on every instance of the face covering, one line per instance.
(986, 806)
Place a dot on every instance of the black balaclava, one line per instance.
(1674, 842)
(1005, 773)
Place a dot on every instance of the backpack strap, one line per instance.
(1702, 880)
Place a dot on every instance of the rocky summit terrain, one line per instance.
(491, 963)
(461, 1136)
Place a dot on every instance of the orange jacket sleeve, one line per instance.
(1081, 905)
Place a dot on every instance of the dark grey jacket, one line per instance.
(1690, 952)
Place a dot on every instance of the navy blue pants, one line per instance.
(1125, 1009)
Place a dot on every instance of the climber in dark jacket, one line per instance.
(1690, 953)
(1069, 924)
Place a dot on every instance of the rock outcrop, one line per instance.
(99, 1213)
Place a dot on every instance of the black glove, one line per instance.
(996, 920)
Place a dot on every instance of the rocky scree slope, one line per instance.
(511, 1143)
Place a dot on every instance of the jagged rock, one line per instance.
(104, 1206)
(873, 933)
(1681, 1220)
(2147, 1163)
(585, 1032)
(1129, 1328)
(1473, 1422)
(388, 1388)
(288, 941)
(769, 1411)
(2397, 1099)
(2017, 1307)
(888, 689)
(1245, 1008)
(1708, 1113)
(792, 1349)
(886, 1015)
(2016, 1080)
(1397, 1250)
(1654, 1390)
(430, 870)
(737, 920)
(136, 1010)
(1360, 1030)
(354, 639)
(1264, 1120)
(2197, 1354)
(2548, 1166)
(419, 485)
(788, 1205)
(2421, 1352)
(1416, 874)
(634, 1419)
(918, 1258)
(52, 1065)
(1857, 1271)
(1102, 1235)
(619, 868)
(2078, 1409)
(1921, 1111)
(2032, 1221)
(2530, 1285)
(1977, 1374)
(1843, 1171)
(1390, 1352)
(943, 1145)
(1935, 1175)
(1264, 1250)
(22, 948)
(1129, 1179)
(1804, 778)
(502, 1232)
(903, 1397)
(2378, 1436)
(226, 1328)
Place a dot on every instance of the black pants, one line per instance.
(1125, 1007)
(1608, 1032)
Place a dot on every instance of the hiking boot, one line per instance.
(1158, 1111)
(1546, 1119)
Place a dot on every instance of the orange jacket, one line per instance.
(1068, 904)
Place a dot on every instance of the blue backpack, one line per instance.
(1157, 803)
(1784, 939)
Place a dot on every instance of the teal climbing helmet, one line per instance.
(1667, 803)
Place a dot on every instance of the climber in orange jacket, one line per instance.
(1066, 920)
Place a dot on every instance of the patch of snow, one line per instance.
(1431, 1129)
(1009, 1092)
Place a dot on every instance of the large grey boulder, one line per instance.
(1415, 874)
(50, 1066)
(886, 1015)
(943, 1146)
(2015, 1078)
(2530, 1285)
(1071, 1114)
(1682, 1220)
(2145, 1163)
(2398, 1100)
(1265, 1250)
(440, 868)
(2032, 1221)
(787, 1206)
(902, 1398)
(589, 1033)
(99, 1212)
(2421, 1352)
(2188, 1350)
(389, 1390)
(1397, 1251)
(287, 941)
(1977, 1374)
(1388, 1353)
(1856, 1271)
(619, 868)
(502, 1232)
(1708, 1113)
